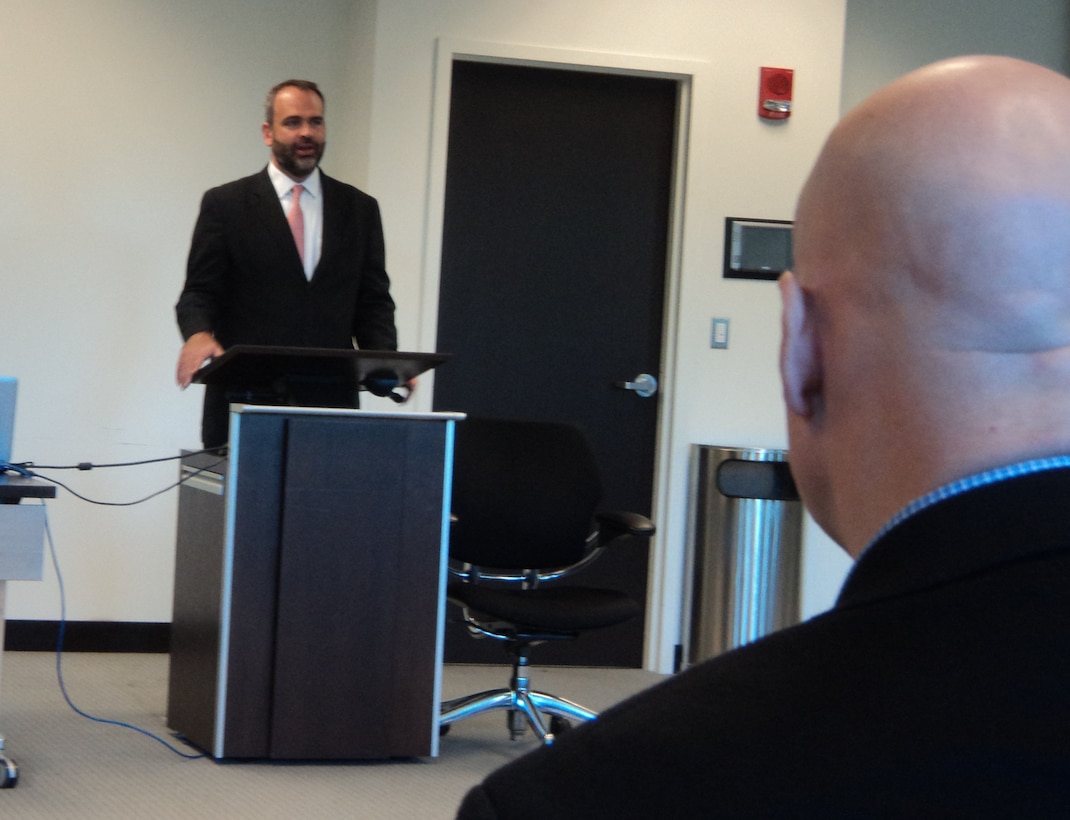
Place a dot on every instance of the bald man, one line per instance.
(926, 371)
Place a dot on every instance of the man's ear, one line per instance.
(801, 372)
(265, 132)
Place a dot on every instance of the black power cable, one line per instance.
(30, 470)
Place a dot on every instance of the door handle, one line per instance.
(644, 385)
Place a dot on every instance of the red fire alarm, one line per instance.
(774, 93)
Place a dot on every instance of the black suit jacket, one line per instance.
(245, 282)
(938, 686)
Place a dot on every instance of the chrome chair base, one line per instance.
(526, 707)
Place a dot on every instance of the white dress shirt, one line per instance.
(311, 208)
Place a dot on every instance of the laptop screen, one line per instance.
(7, 415)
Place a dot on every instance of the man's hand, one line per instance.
(199, 348)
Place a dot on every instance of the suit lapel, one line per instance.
(333, 223)
(269, 222)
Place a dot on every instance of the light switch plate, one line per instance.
(719, 337)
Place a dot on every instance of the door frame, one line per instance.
(663, 634)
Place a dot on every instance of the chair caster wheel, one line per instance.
(559, 726)
(9, 773)
(517, 722)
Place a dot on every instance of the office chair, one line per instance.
(524, 516)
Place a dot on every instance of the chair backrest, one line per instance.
(524, 493)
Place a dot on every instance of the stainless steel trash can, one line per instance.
(747, 533)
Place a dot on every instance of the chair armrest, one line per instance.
(616, 523)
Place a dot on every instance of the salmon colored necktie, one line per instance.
(296, 218)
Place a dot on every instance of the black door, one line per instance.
(554, 257)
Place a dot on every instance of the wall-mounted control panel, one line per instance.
(756, 248)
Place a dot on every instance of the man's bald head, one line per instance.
(931, 293)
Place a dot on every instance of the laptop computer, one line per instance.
(7, 415)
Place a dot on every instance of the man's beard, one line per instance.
(287, 159)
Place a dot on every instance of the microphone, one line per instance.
(386, 383)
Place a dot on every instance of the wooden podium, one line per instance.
(309, 586)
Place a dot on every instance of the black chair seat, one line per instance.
(563, 609)
(525, 514)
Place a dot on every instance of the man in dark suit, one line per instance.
(248, 281)
(926, 370)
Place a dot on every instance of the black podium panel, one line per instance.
(308, 597)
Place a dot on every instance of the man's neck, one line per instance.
(287, 174)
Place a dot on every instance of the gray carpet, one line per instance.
(71, 767)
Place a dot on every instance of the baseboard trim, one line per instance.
(88, 636)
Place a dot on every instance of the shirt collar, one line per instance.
(283, 184)
(971, 482)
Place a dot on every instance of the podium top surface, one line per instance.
(16, 487)
(345, 412)
(265, 365)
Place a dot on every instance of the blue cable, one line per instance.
(59, 660)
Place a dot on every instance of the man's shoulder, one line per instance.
(240, 186)
(337, 188)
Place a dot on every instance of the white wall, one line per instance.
(886, 40)
(130, 110)
(125, 111)
(736, 166)
(121, 113)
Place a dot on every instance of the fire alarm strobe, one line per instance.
(774, 93)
